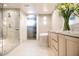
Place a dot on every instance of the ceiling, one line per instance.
(39, 8)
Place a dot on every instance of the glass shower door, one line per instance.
(10, 29)
(1, 30)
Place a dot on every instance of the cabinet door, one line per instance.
(72, 46)
(54, 50)
(62, 45)
(54, 36)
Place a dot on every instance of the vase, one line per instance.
(66, 24)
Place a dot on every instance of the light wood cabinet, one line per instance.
(72, 46)
(62, 45)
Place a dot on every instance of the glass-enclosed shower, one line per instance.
(9, 28)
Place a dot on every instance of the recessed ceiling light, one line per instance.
(5, 5)
(27, 5)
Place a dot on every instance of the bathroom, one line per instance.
(36, 25)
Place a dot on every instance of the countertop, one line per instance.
(67, 33)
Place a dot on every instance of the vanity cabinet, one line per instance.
(63, 44)
(72, 46)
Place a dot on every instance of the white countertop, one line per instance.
(70, 33)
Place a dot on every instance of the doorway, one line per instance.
(31, 27)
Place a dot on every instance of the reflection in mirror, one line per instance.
(72, 19)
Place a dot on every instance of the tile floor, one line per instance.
(30, 48)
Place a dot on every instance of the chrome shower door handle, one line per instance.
(17, 28)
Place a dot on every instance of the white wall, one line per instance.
(23, 28)
(44, 28)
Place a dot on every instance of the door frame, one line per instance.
(37, 27)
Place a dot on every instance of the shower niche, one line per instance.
(9, 29)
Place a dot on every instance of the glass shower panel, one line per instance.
(10, 29)
(1, 42)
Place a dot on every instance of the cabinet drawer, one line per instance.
(54, 36)
(54, 51)
(54, 45)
